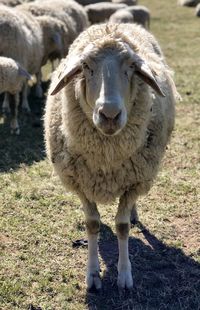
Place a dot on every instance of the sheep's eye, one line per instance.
(86, 67)
(132, 66)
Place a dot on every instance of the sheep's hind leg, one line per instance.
(122, 221)
(93, 226)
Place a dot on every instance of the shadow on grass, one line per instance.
(164, 277)
(28, 147)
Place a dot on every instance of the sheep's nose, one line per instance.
(110, 112)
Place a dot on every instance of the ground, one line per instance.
(39, 268)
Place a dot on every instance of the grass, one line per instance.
(39, 268)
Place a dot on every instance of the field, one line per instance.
(39, 268)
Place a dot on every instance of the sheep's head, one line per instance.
(109, 77)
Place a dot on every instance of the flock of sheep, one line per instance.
(32, 33)
(191, 3)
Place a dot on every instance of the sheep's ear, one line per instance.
(67, 74)
(145, 73)
(23, 72)
(143, 70)
(71, 69)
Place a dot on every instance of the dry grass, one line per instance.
(39, 268)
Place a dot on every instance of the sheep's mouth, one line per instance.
(107, 127)
(109, 132)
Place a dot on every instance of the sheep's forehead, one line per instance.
(108, 52)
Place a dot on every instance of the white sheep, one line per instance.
(12, 77)
(60, 21)
(100, 12)
(107, 127)
(11, 3)
(121, 16)
(192, 3)
(197, 10)
(21, 39)
(141, 15)
(128, 2)
(87, 2)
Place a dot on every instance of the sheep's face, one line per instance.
(107, 89)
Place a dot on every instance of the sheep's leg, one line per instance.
(134, 215)
(38, 87)
(25, 104)
(122, 222)
(93, 225)
(5, 105)
(14, 103)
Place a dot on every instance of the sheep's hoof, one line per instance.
(6, 111)
(125, 280)
(93, 281)
(15, 131)
(134, 216)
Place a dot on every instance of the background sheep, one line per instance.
(11, 3)
(100, 12)
(106, 132)
(21, 39)
(121, 16)
(12, 77)
(71, 20)
(128, 2)
(87, 2)
(141, 15)
(198, 10)
(188, 2)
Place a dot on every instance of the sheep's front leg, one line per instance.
(14, 103)
(25, 104)
(122, 221)
(93, 226)
(5, 105)
(38, 87)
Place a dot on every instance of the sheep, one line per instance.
(12, 77)
(191, 3)
(100, 12)
(21, 39)
(128, 2)
(87, 2)
(71, 20)
(55, 38)
(121, 16)
(69, 12)
(108, 118)
(11, 3)
(141, 15)
(198, 10)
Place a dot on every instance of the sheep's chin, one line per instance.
(110, 133)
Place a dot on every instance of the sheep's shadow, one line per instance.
(164, 277)
(28, 147)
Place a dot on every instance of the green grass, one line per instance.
(39, 268)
